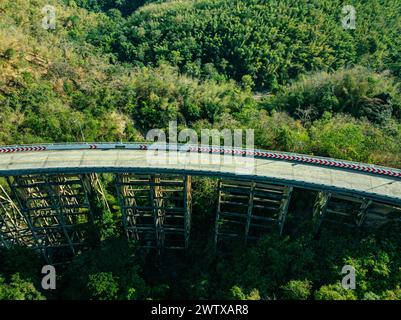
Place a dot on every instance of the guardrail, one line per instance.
(240, 152)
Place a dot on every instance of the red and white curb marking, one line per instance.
(296, 158)
(214, 150)
(22, 149)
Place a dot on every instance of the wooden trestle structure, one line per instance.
(55, 214)
(14, 229)
(56, 210)
(250, 209)
(337, 209)
(156, 209)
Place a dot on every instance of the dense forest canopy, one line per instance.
(268, 42)
(111, 70)
(126, 7)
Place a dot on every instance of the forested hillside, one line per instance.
(267, 42)
(111, 70)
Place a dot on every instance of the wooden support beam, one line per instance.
(158, 212)
(320, 208)
(55, 204)
(363, 212)
(121, 192)
(249, 211)
(285, 202)
(94, 189)
(188, 209)
(95, 196)
(217, 220)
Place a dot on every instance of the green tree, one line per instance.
(18, 289)
(297, 290)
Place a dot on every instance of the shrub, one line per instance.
(334, 292)
(297, 290)
(358, 92)
(103, 286)
(18, 289)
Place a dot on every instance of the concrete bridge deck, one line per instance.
(298, 174)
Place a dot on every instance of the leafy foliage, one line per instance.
(108, 272)
(297, 289)
(125, 6)
(268, 42)
(19, 274)
(18, 289)
(358, 91)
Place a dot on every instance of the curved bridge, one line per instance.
(53, 189)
